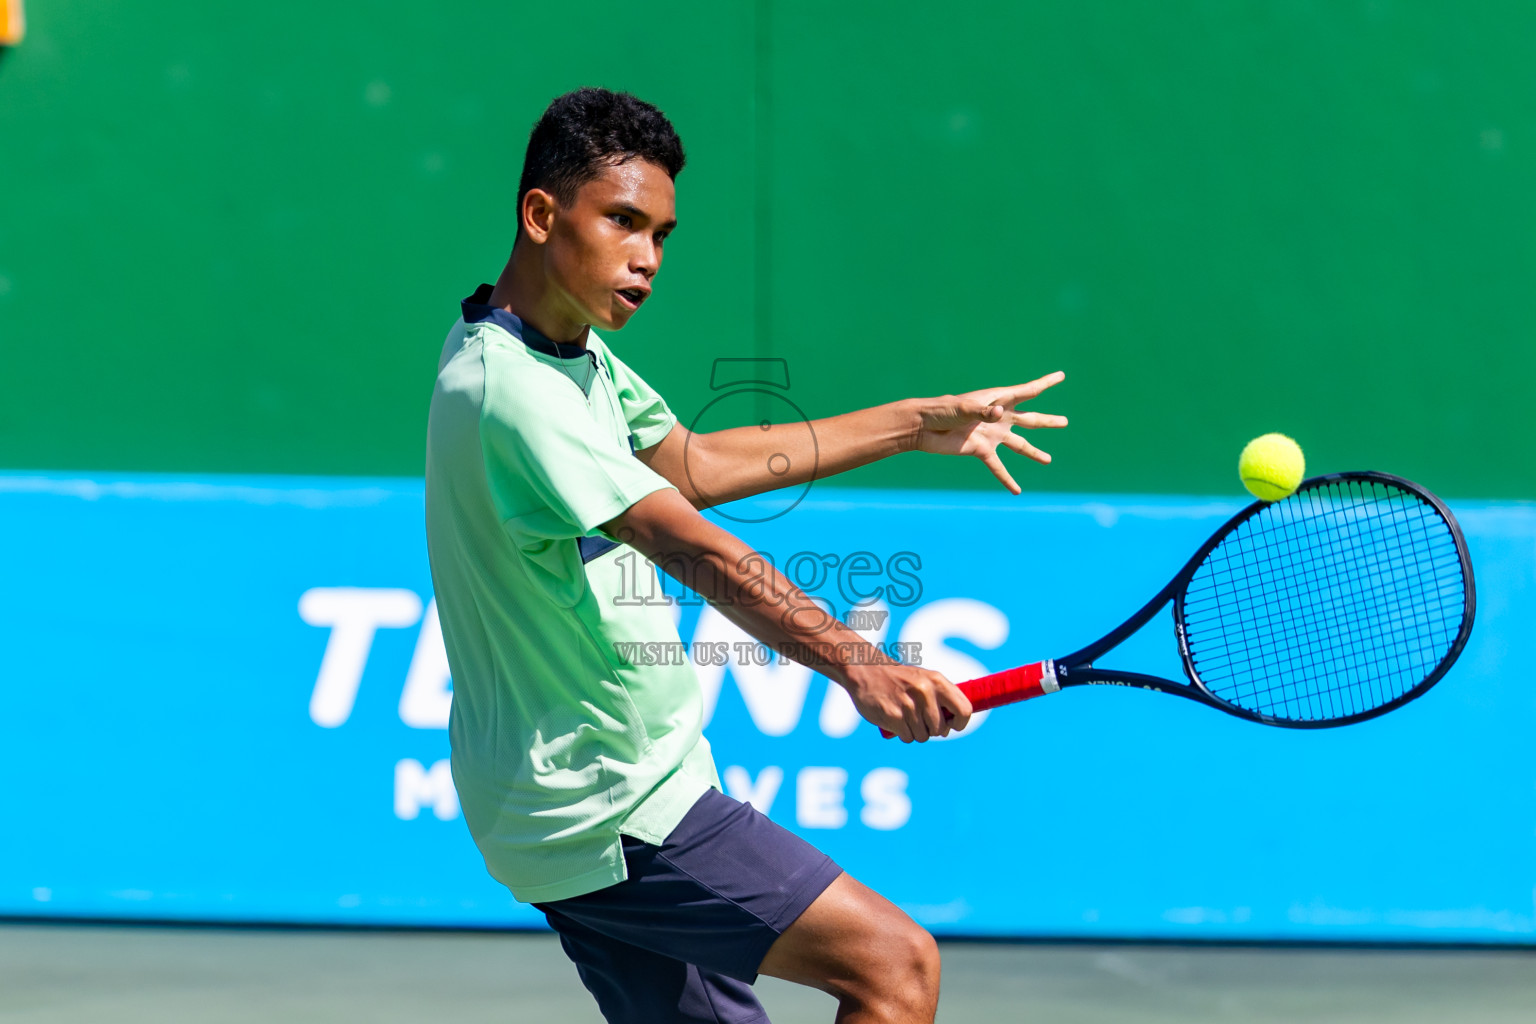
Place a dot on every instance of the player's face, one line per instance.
(605, 249)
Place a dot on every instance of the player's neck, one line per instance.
(524, 290)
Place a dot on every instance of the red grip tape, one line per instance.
(999, 688)
(1008, 687)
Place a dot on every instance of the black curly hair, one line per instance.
(589, 129)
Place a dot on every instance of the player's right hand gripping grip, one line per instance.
(1008, 687)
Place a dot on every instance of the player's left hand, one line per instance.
(976, 422)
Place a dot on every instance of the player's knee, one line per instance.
(901, 982)
(922, 954)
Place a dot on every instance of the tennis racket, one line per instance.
(1339, 603)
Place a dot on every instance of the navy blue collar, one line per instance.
(477, 309)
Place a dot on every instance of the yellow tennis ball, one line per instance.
(1271, 466)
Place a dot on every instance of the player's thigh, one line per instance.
(634, 985)
(854, 942)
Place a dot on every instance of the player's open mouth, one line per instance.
(632, 297)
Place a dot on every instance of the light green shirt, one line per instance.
(559, 743)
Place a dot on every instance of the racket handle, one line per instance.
(1008, 687)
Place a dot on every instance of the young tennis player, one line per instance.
(585, 779)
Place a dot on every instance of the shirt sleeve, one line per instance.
(649, 418)
(554, 472)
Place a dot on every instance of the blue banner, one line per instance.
(226, 699)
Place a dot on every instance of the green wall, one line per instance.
(232, 237)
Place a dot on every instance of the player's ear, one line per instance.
(536, 215)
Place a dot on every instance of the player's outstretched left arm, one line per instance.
(724, 465)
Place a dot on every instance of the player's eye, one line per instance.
(621, 219)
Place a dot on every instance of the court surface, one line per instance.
(78, 973)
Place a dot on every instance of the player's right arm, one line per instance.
(904, 699)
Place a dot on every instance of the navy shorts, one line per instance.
(681, 938)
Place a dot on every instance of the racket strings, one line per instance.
(1328, 604)
(1385, 597)
(1198, 616)
(1372, 650)
(1284, 631)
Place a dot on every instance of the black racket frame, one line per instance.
(1077, 668)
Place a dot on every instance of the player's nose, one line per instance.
(645, 259)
